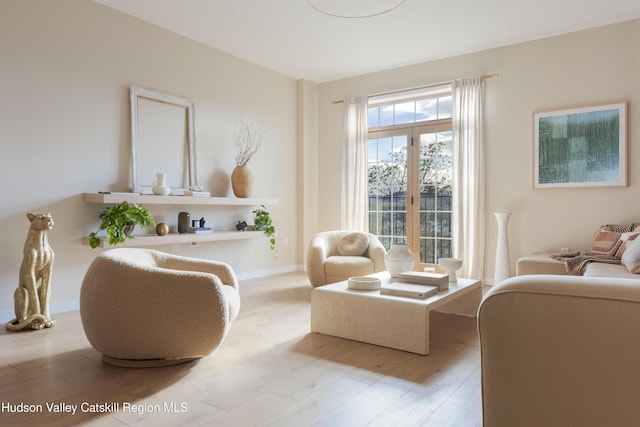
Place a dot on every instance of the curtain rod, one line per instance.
(484, 77)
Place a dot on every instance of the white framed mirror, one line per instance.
(162, 140)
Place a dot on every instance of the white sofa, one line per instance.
(542, 263)
(563, 350)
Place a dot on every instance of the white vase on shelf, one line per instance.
(399, 259)
(160, 186)
(502, 268)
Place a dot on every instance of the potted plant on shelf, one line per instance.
(248, 140)
(264, 223)
(118, 221)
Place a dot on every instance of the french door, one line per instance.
(410, 174)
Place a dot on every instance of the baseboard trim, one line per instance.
(74, 305)
(268, 272)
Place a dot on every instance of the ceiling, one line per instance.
(291, 38)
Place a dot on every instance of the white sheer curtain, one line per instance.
(468, 206)
(354, 167)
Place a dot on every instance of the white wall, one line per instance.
(64, 117)
(588, 67)
(65, 70)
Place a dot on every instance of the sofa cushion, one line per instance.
(625, 241)
(338, 268)
(605, 243)
(353, 244)
(601, 269)
(631, 257)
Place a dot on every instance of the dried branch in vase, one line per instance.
(248, 140)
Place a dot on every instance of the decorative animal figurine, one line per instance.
(34, 286)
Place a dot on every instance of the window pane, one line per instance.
(404, 113)
(427, 251)
(385, 223)
(373, 222)
(435, 169)
(387, 170)
(444, 107)
(444, 220)
(427, 109)
(429, 224)
(444, 248)
(399, 224)
(384, 149)
(373, 117)
(386, 115)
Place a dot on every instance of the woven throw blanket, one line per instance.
(576, 263)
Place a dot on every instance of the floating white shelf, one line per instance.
(149, 199)
(172, 239)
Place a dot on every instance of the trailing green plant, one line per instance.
(264, 223)
(118, 221)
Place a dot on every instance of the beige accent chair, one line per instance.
(143, 308)
(325, 264)
(560, 351)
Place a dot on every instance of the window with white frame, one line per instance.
(410, 171)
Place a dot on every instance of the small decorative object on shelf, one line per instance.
(183, 222)
(197, 193)
(399, 259)
(248, 140)
(160, 187)
(264, 223)
(241, 225)
(197, 227)
(162, 229)
(34, 284)
(118, 221)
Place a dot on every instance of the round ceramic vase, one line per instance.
(399, 259)
(242, 181)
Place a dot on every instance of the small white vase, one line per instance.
(160, 186)
(399, 259)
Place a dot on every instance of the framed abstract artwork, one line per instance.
(580, 147)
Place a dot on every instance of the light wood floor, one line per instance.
(270, 371)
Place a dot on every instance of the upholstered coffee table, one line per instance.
(387, 320)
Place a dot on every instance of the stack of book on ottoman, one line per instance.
(416, 285)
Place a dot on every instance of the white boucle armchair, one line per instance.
(325, 263)
(141, 307)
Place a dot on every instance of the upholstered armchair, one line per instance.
(337, 255)
(141, 307)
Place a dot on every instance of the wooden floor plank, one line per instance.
(270, 371)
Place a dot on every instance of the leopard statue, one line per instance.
(34, 285)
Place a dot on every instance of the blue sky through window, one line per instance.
(434, 108)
